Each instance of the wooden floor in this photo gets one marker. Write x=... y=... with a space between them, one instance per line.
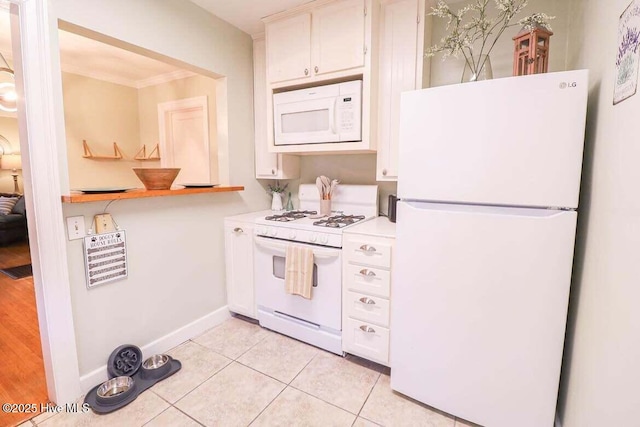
x=21 y=368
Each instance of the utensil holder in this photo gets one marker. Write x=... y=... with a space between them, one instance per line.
x=325 y=207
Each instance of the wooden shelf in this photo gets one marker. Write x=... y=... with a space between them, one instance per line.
x=117 y=154
x=153 y=155
x=138 y=193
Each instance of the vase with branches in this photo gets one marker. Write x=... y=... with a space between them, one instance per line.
x=473 y=31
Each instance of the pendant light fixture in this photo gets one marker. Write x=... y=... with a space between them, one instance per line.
x=8 y=96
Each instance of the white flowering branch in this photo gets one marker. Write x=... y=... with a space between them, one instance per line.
x=471 y=25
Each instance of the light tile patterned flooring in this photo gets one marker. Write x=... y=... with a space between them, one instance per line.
x=239 y=374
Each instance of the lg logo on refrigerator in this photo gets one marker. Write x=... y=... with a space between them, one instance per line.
x=565 y=85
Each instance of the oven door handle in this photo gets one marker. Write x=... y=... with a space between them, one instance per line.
x=282 y=248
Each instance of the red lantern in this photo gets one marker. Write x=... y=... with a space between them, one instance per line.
x=531 y=53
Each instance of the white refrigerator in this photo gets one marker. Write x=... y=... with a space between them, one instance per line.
x=489 y=177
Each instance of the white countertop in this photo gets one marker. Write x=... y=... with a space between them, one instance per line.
x=379 y=226
x=250 y=216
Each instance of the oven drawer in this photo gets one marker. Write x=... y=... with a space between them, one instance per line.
x=369 y=280
x=368 y=250
x=366 y=340
x=367 y=308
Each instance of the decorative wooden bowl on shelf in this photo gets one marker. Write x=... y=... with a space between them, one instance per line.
x=157 y=178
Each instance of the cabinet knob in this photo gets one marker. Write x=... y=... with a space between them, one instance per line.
x=367 y=248
x=384 y=172
x=367 y=272
x=273 y=171
x=367 y=300
x=367 y=329
x=306 y=71
x=315 y=69
x=238 y=230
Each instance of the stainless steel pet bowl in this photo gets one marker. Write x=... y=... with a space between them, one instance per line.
x=115 y=389
x=155 y=361
x=156 y=366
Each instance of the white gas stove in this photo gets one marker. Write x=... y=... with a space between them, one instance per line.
x=318 y=320
x=351 y=204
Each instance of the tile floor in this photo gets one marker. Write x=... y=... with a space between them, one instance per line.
x=239 y=374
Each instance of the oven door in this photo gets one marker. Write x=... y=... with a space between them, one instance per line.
x=324 y=307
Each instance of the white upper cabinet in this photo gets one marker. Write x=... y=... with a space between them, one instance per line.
x=315 y=43
x=337 y=36
x=268 y=165
x=289 y=48
x=401 y=61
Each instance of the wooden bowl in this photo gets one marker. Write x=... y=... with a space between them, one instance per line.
x=157 y=178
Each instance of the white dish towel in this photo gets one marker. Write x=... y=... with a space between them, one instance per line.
x=298 y=271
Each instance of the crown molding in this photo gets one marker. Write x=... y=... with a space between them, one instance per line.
x=164 y=78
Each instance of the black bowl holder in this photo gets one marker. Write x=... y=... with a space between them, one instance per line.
x=126 y=360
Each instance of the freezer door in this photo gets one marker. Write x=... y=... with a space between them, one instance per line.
x=514 y=141
x=478 y=310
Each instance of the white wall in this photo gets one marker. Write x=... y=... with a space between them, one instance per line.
x=601 y=372
x=175 y=243
x=449 y=71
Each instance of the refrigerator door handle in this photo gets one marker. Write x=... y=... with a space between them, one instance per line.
x=523 y=212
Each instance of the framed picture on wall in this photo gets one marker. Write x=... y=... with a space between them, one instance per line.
x=626 y=75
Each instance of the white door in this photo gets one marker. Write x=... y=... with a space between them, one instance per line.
x=515 y=141
x=478 y=310
x=338 y=36
x=184 y=139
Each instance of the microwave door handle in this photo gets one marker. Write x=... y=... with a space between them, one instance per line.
x=317 y=253
x=334 y=116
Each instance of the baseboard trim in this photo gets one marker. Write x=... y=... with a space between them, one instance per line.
x=162 y=344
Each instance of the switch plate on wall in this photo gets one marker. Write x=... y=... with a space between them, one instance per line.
x=75 y=227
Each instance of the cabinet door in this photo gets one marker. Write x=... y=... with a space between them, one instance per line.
x=289 y=48
x=239 y=255
x=338 y=36
x=266 y=163
x=398 y=67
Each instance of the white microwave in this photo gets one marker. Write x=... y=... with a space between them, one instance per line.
x=320 y=114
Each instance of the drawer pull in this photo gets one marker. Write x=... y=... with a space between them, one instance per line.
x=367 y=329
x=367 y=248
x=238 y=230
x=367 y=300
x=367 y=273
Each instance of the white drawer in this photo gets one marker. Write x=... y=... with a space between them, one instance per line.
x=366 y=340
x=369 y=280
x=368 y=251
x=367 y=308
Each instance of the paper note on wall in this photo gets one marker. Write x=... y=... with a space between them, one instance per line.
x=105 y=258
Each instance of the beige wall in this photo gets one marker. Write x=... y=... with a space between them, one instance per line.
x=150 y=97
x=449 y=71
x=9 y=129
x=175 y=244
x=100 y=113
x=601 y=370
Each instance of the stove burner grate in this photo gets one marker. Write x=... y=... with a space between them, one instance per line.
x=338 y=221
x=290 y=216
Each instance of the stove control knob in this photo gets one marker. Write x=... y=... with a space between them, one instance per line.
x=324 y=238
x=313 y=237
x=292 y=234
x=273 y=232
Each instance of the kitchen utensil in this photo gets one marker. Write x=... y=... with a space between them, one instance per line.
x=320 y=187
x=333 y=186
x=326 y=183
